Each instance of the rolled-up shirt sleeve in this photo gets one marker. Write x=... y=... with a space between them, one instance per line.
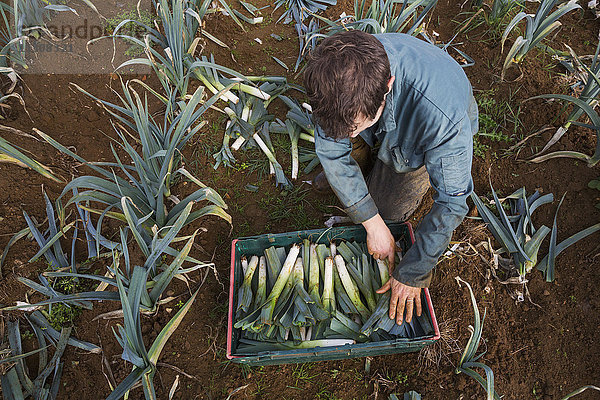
x=449 y=168
x=344 y=176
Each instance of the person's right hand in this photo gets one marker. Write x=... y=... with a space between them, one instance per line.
x=380 y=241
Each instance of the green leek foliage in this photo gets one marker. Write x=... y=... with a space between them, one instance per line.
x=298 y=10
x=12 y=40
x=148 y=182
x=15 y=155
x=12 y=47
x=17 y=382
x=51 y=249
x=129 y=336
x=381 y=16
x=170 y=50
x=515 y=232
x=517 y=235
x=468 y=360
x=158 y=271
x=539 y=25
x=586 y=103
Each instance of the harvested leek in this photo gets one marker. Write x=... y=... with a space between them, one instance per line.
x=317 y=295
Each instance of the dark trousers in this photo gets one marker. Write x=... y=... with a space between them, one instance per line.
x=397 y=195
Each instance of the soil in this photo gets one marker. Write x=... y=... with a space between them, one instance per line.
x=538 y=349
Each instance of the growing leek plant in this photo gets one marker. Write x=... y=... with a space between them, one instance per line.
x=12 y=47
x=167 y=51
x=381 y=16
x=158 y=272
x=11 y=38
x=468 y=360
x=307 y=41
x=538 y=26
x=302 y=12
x=586 y=104
x=171 y=50
x=50 y=246
x=500 y=8
x=494 y=16
x=148 y=182
x=17 y=383
x=13 y=154
x=31 y=15
x=518 y=236
x=298 y=10
x=129 y=336
x=516 y=233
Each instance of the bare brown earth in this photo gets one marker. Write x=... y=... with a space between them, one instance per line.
x=536 y=352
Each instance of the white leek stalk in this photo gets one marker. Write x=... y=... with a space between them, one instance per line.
x=244 y=262
x=261 y=293
x=313 y=276
x=350 y=287
x=266 y=314
x=328 y=294
x=383 y=271
x=245 y=292
x=246 y=112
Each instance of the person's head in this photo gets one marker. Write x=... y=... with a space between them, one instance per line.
x=347 y=78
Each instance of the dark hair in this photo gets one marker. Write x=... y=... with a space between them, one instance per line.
x=346 y=76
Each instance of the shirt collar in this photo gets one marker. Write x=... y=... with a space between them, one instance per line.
x=387 y=122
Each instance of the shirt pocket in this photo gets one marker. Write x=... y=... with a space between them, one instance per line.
x=455 y=170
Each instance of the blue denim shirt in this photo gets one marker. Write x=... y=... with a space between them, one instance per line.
x=429 y=118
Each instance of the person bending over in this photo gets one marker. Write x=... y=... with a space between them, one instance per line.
x=410 y=104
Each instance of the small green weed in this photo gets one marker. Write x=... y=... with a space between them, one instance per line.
x=63 y=315
x=302 y=373
x=325 y=394
x=537 y=391
x=402 y=378
x=494 y=117
x=243 y=229
x=130 y=28
x=60 y=314
x=27 y=334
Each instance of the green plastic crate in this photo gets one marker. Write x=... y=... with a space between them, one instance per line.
x=255 y=245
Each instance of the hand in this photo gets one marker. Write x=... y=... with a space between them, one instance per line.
x=380 y=242
x=403 y=296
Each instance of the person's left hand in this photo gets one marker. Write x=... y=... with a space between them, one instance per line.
x=403 y=297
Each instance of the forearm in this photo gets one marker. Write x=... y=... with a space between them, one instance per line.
x=431 y=240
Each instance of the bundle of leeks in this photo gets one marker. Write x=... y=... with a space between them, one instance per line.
x=248 y=126
x=316 y=295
